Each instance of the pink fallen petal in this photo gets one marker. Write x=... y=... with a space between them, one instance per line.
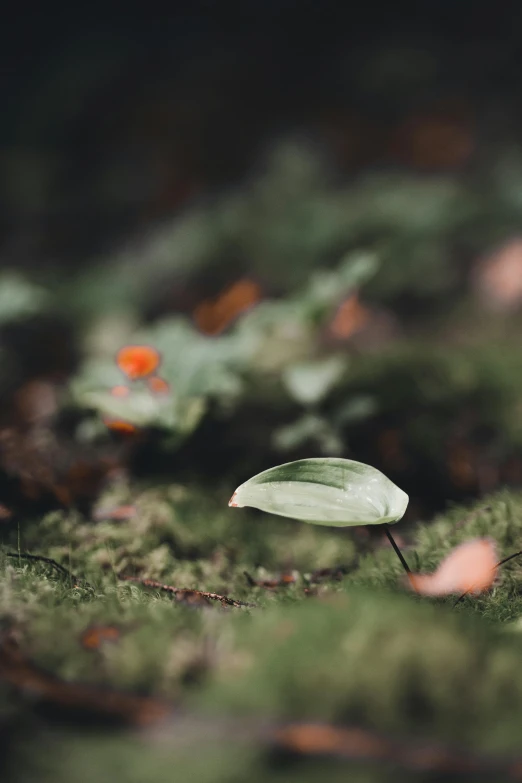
x=471 y=567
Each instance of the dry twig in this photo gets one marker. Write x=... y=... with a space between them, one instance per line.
x=185 y=595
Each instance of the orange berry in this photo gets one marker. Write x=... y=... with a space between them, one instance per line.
x=138 y=361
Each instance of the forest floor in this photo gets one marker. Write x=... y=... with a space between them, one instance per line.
x=308 y=656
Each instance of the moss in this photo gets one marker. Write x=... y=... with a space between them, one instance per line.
x=360 y=651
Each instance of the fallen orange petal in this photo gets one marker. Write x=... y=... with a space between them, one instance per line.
x=158 y=385
x=469 y=568
x=138 y=361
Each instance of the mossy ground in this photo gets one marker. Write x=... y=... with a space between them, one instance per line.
x=360 y=651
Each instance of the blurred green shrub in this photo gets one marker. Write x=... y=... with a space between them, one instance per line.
x=278 y=338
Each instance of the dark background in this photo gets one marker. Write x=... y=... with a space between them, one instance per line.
x=167 y=106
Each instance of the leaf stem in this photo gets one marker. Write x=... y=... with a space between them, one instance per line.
x=396 y=549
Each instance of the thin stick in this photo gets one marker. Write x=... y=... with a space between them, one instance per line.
x=396 y=549
x=185 y=592
x=505 y=560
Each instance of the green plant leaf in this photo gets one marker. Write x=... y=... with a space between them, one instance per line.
x=309 y=382
x=328 y=491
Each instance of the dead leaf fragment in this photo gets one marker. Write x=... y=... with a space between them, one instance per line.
x=212 y=316
x=95 y=636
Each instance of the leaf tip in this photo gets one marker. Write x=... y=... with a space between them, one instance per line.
x=233 y=501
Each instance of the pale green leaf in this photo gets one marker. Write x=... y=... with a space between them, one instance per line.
x=327 y=491
x=309 y=382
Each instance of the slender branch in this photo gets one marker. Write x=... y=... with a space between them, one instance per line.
x=396 y=549
x=186 y=594
x=506 y=559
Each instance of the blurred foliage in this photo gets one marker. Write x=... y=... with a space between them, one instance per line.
x=353 y=357
x=200 y=368
x=323 y=302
